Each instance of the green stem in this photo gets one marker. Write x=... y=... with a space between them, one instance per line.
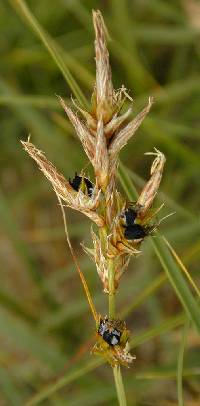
x=111 y=284
x=119 y=386
x=111 y=301
x=104 y=231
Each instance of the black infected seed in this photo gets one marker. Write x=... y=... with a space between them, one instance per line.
x=77 y=182
x=110 y=334
x=134 y=232
x=130 y=216
x=89 y=186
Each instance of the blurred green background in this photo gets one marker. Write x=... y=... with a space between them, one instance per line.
x=46 y=329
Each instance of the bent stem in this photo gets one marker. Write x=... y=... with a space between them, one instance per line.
x=119 y=386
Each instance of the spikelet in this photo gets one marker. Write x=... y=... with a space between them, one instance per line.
x=150 y=189
x=76 y=200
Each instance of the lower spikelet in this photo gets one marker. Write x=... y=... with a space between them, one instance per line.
x=76 y=200
x=57 y=180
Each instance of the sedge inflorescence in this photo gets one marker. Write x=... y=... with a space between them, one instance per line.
x=121 y=226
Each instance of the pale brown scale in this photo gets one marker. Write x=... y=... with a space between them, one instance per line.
x=150 y=189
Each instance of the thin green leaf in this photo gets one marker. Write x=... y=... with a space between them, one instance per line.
x=27 y=339
x=11 y=229
x=180 y=363
x=146 y=292
x=8 y=389
x=177 y=280
x=167 y=373
x=65 y=380
x=32 y=100
x=51 y=45
x=162 y=328
x=157 y=34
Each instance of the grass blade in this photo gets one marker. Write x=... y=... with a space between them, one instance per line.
x=182 y=266
x=180 y=364
x=178 y=282
x=146 y=292
x=65 y=380
x=8 y=389
x=32 y=100
x=166 y=325
x=28 y=340
x=51 y=45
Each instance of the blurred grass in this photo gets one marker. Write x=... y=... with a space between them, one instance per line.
x=44 y=317
x=180 y=363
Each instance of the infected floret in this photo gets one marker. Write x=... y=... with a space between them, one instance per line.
x=108 y=331
x=135 y=232
x=132 y=230
x=82 y=183
x=129 y=216
x=112 y=343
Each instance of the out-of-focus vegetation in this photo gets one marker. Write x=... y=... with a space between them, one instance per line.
x=46 y=329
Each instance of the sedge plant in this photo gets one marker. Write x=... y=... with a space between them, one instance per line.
x=119 y=226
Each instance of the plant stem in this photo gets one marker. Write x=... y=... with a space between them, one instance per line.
x=111 y=283
x=111 y=310
x=119 y=386
x=111 y=302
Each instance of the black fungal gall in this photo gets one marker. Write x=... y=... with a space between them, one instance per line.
x=80 y=182
x=132 y=230
x=135 y=232
x=129 y=217
x=110 y=334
